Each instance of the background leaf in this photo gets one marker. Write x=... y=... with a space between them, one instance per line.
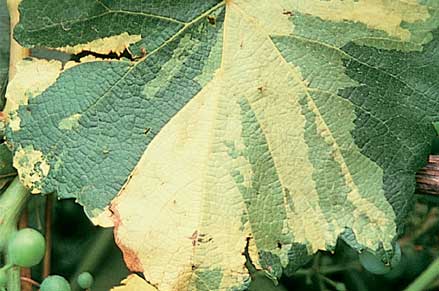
x=4 y=50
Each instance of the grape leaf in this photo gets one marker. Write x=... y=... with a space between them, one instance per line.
x=133 y=283
x=4 y=50
x=104 y=25
x=268 y=126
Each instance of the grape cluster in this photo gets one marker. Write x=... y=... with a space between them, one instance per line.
x=85 y=280
x=58 y=283
x=26 y=249
x=55 y=283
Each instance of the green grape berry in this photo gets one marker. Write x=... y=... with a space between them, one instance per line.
x=3 y=278
x=26 y=248
x=373 y=264
x=85 y=280
x=55 y=283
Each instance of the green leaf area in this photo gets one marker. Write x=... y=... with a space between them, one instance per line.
x=4 y=50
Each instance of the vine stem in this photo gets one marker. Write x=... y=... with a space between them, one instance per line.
x=30 y=281
x=12 y=201
x=426 y=278
x=48 y=235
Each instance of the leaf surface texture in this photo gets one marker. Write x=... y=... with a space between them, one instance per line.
x=272 y=126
